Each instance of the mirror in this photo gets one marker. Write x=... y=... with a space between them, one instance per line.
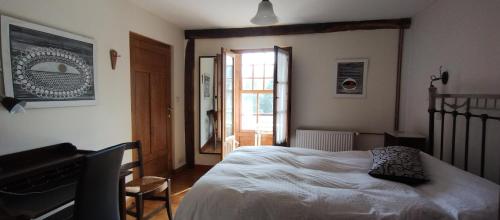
x=210 y=129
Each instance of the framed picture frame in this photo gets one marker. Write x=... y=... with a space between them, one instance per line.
x=350 y=78
x=46 y=67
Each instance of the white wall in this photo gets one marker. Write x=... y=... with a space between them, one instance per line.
x=314 y=55
x=463 y=36
x=109 y=122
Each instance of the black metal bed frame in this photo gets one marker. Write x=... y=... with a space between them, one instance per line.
x=458 y=102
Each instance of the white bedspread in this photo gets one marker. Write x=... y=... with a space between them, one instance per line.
x=293 y=183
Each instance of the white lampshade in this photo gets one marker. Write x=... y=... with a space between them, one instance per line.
x=265 y=14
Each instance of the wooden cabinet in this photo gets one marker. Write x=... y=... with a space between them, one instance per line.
x=405 y=139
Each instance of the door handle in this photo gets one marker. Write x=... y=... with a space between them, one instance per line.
x=170 y=110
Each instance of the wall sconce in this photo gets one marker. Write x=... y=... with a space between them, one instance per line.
x=13 y=105
x=113 y=55
x=443 y=76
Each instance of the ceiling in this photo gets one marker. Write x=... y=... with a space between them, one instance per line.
x=201 y=14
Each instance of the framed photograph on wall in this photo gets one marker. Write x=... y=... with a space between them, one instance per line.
x=47 y=67
x=351 y=78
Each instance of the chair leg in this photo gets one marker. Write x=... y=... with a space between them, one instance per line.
x=122 y=199
x=139 y=207
x=168 y=201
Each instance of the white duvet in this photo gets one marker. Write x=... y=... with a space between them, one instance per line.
x=294 y=183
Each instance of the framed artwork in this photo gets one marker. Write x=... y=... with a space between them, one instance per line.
x=350 y=78
x=206 y=85
x=47 y=67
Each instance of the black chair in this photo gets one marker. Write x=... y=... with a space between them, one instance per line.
x=145 y=187
x=97 y=190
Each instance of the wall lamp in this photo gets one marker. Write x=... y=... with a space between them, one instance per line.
x=443 y=76
x=13 y=105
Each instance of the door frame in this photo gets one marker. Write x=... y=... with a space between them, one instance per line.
x=170 y=157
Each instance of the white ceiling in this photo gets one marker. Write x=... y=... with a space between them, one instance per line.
x=199 y=14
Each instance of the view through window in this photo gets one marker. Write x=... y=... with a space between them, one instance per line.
x=257 y=91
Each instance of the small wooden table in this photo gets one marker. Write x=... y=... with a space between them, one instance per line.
x=397 y=138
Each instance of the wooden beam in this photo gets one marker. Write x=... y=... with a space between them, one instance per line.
x=402 y=23
x=398 y=78
x=258 y=50
x=189 y=102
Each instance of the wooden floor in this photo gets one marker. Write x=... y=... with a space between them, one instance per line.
x=210 y=148
x=181 y=183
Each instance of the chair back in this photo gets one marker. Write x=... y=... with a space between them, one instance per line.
x=97 y=190
x=136 y=163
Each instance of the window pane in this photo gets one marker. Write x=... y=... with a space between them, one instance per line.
x=229 y=93
x=248 y=122
x=250 y=58
x=258 y=84
x=246 y=84
x=229 y=70
x=248 y=104
x=265 y=103
x=248 y=111
x=229 y=106
x=269 y=71
x=247 y=71
x=265 y=123
x=268 y=57
x=229 y=87
x=258 y=71
x=268 y=84
x=229 y=61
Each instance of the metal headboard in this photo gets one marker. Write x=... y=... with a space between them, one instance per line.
x=461 y=105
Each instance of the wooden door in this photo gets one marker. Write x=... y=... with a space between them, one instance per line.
x=151 y=102
x=282 y=93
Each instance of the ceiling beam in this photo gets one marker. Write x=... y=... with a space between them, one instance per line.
x=294 y=29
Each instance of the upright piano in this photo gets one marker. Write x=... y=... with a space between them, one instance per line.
x=40 y=183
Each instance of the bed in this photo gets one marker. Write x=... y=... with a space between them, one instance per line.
x=294 y=183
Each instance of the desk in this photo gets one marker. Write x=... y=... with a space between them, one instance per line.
x=38 y=182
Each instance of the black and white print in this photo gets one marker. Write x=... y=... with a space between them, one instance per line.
x=350 y=79
x=206 y=85
x=47 y=67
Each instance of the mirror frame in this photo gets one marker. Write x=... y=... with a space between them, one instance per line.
x=199 y=100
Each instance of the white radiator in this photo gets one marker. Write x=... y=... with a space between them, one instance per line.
x=325 y=140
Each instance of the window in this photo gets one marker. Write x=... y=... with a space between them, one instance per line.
x=229 y=96
x=256 y=91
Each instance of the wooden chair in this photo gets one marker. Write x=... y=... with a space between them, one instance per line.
x=145 y=187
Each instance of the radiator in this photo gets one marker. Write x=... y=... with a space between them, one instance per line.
x=325 y=140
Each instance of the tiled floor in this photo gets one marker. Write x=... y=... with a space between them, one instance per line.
x=181 y=182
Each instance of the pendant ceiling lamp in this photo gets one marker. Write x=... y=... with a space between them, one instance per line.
x=265 y=14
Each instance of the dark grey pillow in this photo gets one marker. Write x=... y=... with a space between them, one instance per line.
x=398 y=163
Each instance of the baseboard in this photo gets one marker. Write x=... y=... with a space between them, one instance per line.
x=197 y=166
x=203 y=166
x=181 y=168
